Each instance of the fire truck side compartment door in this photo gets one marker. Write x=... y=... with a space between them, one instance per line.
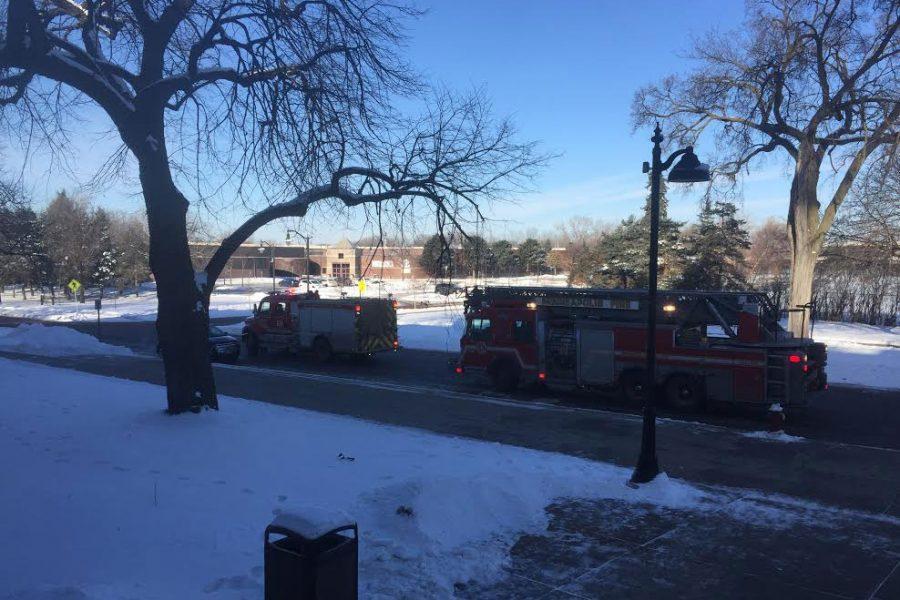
x=596 y=356
x=343 y=330
x=320 y=319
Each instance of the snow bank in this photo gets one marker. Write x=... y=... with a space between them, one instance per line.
x=433 y=329
x=860 y=354
x=869 y=366
x=34 y=338
x=856 y=333
x=104 y=496
x=775 y=436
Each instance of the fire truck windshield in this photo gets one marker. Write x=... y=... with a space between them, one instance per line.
x=480 y=329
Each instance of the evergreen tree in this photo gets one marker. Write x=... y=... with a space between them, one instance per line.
x=436 y=259
x=532 y=256
x=625 y=252
x=476 y=256
x=715 y=250
x=104 y=255
x=506 y=260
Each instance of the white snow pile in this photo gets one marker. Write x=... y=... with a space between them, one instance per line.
x=773 y=436
x=34 y=338
x=431 y=329
x=856 y=333
x=104 y=496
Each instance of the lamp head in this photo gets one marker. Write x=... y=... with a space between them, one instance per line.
x=689 y=169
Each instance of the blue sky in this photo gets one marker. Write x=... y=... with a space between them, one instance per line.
x=566 y=72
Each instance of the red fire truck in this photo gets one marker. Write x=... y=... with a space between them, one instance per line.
x=300 y=321
x=711 y=346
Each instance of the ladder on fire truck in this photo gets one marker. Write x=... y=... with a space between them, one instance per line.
x=776 y=385
x=692 y=306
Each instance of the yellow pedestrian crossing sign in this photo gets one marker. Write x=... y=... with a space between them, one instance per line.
x=361 y=284
x=74 y=285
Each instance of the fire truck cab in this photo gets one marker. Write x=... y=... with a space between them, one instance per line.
x=299 y=321
x=711 y=346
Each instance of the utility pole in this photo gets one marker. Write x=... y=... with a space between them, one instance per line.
x=287 y=238
x=262 y=250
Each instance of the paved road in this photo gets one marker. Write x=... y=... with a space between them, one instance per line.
x=843 y=414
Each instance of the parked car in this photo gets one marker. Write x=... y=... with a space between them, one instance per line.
x=289 y=282
x=223 y=347
x=445 y=289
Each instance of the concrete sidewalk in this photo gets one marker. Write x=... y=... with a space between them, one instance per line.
x=752 y=547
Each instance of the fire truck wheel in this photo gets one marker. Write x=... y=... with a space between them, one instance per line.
x=252 y=345
x=632 y=385
x=505 y=376
x=322 y=349
x=684 y=393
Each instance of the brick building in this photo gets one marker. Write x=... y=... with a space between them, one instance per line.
x=343 y=259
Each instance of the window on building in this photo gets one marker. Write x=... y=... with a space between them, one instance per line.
x=340 y=270
x=523 y=331
x=340 y=255
x=480 y=329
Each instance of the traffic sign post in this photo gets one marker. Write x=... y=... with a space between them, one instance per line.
x=74 y=285
x=97 y=304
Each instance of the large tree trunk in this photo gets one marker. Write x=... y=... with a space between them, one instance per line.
x=803 y=225
x=182 y=322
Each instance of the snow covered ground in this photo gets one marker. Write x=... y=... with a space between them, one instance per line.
x=431 y=329
x=106 y=497
x=861 y=354
x=34 y=338
x=235 y=298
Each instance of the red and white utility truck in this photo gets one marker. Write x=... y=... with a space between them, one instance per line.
x=711 y=346
x=302 y=321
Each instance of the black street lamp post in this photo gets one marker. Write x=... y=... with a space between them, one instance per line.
x=688 y=170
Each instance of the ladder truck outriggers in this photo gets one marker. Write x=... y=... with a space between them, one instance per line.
x=711 y=346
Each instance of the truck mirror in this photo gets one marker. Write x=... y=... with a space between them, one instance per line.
x=255 y=309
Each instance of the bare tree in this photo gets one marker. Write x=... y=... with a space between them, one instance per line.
x=18 y=223
x=132 y=242
x=816 y=80
x=20 y=239
x=285 y=103
x=769 y=260
x=455 y=156
x=859 y=277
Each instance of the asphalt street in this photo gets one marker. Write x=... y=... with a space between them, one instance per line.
x=843 y=414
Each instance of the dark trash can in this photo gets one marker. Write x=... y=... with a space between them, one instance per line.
x=304 y=561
